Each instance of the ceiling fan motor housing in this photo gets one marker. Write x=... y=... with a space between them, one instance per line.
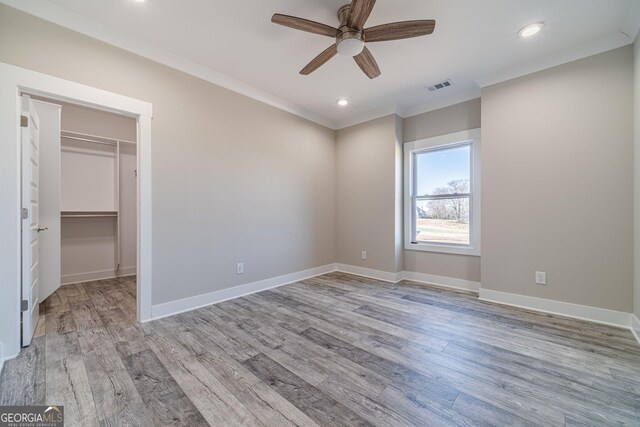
x=350 y=41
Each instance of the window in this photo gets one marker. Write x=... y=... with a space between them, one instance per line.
x=442 y=194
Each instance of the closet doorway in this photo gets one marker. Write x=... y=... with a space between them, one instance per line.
x=14 y=82
x=80 y=191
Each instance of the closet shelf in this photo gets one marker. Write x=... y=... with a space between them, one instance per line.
x=88 y=214
x=96 y=139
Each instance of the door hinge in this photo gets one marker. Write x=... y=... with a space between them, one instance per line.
x=24 y=305
x=25 y=213
x=24 y=121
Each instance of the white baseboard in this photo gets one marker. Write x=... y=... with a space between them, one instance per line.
x=582 y=312
x=385 y=276
x=71 y=279
x=635 y=327
x=430 y=279
x=447 y=282
x=192 y=303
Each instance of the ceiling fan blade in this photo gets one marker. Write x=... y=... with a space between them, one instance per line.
x=304 y=25
x=320 y=60
x=360 y=11
x=367 y=63
x=399 y=30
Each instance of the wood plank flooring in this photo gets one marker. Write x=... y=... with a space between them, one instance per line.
x=336 y=350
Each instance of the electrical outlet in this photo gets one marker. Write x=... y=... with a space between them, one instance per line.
x=541 y=278
x=363 y=255
x=240 y=268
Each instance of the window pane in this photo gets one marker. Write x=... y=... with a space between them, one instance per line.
x=443 y=221
x=444 y=171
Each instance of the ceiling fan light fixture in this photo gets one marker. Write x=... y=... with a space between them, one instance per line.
x=531 y=30
x=351 y=34
x=350 y=46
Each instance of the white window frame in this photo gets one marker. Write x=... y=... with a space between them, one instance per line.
x=468 y=137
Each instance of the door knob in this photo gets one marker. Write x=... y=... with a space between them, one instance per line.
x=42 y=229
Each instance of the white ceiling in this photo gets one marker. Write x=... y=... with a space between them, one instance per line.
x=473 y=39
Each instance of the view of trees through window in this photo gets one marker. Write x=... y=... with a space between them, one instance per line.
x=442 y=205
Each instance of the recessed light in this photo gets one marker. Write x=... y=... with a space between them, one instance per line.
x=139 y=1
x=342 y=102
x=531 y=30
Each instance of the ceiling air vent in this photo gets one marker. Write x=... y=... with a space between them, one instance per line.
x=442 y=85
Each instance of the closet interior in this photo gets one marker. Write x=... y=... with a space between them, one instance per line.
x=97 y=194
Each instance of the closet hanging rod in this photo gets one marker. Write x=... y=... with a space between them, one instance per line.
x=88 y=216
x=111 y=144
x=88 y=135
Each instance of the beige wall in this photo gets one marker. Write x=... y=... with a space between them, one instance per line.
x=367 y=194
x=456 y=118
x=452 y=119
x=557 y=183
x=239 y=181
x=234 y=180
x=636 y=204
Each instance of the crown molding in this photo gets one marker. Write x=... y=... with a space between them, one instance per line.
x=601 y=45
x=78 y=23
x=410 y=111
x=439 y=104
x=631 y=25
x=75 y=22
x=367 y=117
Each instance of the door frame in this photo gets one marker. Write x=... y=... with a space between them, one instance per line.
x=13 y=82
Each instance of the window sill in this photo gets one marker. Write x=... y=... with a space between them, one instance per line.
x=444 y=249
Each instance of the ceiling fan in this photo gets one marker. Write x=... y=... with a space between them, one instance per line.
x=351 y=35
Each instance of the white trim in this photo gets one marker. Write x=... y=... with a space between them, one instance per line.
x=90 y=276
x=144 y=260
x=65 y=90
x=13 y=80
x=576 y=311
x=429 y=279
x=410 y=111
x=442 y=141
x=446 y=282
x=68 y=19
x=635 y=327
x=370 y=273
x=438 y=104
x=192 y=303
x=631 y=24
x=595 y=47
x=368 y=116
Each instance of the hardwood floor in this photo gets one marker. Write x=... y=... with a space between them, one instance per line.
x=334 y=350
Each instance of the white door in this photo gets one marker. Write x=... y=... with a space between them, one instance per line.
x=49 y=201
x=30 y=224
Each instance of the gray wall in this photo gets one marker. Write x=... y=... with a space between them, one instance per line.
x=367 y=194
x=234 y=180
x=452 y=119
x=557 y=176
x=636 y=203
x=557 y=182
